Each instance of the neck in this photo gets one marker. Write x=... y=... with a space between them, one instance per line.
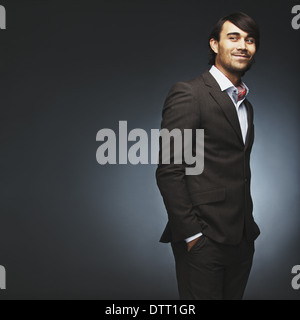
x=235 y=77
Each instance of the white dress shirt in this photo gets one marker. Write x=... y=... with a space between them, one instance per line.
x=226 y=85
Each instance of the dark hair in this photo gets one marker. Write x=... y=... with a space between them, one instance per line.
x=242 y=21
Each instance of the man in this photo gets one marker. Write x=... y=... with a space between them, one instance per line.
x=210 y=222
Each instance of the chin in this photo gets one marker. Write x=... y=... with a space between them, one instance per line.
x=243 y=69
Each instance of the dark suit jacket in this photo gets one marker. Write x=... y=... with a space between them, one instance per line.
x=217 y=202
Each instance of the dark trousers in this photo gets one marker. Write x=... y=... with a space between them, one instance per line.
x=212 y=270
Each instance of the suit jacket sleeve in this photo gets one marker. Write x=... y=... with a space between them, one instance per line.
x=181 y=111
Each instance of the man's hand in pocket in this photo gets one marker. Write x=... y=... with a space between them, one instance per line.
x=192 y=243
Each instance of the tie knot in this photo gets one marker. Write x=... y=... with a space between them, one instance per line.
x=241 y=91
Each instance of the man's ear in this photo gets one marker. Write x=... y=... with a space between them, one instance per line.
x=214 y=45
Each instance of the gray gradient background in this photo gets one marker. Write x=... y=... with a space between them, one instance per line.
x=72 y=229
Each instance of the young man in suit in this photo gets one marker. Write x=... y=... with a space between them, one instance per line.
x=210 y=222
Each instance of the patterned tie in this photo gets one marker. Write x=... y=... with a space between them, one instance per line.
x=241 y=91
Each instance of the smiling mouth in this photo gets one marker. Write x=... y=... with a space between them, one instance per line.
x=241 y=56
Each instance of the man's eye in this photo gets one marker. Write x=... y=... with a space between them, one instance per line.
x=250 y=40
x=233 y=38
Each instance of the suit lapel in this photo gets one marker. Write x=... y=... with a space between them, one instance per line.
x=225 y=103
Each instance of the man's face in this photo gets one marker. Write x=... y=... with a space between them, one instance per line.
x=234 y=51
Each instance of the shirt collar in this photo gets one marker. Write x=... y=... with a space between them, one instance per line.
x=223 y=81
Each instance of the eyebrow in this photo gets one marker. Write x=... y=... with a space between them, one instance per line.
x=238 y=34
x=233 y=33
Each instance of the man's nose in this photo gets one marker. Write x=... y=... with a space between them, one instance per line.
x=242 y=44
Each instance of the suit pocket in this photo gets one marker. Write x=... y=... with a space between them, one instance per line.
x=199 y=244
x=209 y=196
